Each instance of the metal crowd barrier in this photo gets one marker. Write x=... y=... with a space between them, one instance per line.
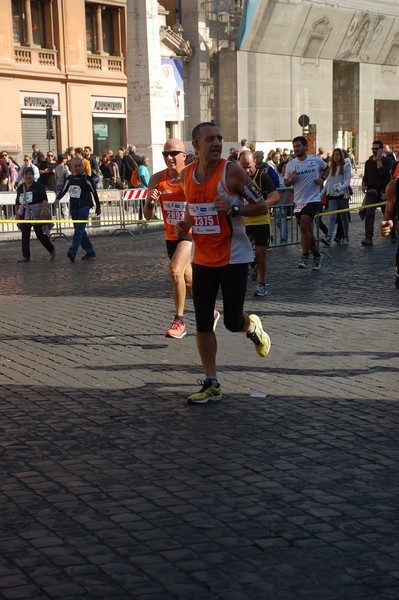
x=121 y=212
x=284 y=228
x=122 y=209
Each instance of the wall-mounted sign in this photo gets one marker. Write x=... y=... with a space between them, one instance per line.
x=38 y=101
x=103 y=104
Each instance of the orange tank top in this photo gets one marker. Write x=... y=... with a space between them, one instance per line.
x=173 y=204
x=218 y=240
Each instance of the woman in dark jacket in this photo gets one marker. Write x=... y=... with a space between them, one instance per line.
x=32 y=198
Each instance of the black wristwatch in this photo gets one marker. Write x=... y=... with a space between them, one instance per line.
x=234 y=210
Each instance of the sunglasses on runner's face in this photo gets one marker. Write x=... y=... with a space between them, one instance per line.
x=173 y=153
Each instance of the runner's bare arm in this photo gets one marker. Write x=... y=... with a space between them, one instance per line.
x=239 y=183
x=273 y=198
x=153 y=195
x=390 y=209
x=290 y=180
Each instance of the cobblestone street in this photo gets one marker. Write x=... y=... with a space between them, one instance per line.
x=112 y=486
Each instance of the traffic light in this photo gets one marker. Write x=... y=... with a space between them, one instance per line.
x=49 y=123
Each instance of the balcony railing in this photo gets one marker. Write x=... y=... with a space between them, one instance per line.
x=115 y=64
x=43 y=57
x=35 y=56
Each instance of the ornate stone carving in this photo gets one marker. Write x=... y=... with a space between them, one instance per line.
x=317 y=38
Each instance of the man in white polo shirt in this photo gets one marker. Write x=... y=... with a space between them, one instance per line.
x=306 y=174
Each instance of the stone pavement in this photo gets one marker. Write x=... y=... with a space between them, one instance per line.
x=112 y=486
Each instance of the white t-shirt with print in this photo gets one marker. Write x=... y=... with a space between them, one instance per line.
x=305 y=189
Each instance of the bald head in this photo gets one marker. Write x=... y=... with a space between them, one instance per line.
x=247 y=162
x=174 y=145
x=247 y=155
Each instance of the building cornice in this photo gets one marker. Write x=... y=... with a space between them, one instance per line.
x=178 y=45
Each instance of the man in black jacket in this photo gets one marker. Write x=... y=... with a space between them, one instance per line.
x=130 y=162
x=377 y=173
x=82 y=190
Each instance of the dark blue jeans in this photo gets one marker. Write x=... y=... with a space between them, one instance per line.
x=370 y=198
x=80 y=237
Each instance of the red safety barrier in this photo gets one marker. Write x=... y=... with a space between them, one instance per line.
x=136 y=194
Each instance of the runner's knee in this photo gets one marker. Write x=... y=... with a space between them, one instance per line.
x=234 y=323
x=175 y=271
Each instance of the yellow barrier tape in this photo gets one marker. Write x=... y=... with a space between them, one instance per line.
x=357 y=208
x=93 y=220
x=331 y=212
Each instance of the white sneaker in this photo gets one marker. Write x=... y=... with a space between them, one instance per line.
x=345 y=242
x=261 y=290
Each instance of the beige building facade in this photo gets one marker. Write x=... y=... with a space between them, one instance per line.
x=69 y=56
x=106 y=86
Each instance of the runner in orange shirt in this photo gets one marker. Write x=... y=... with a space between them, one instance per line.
x=390 y=218
x=219 y=193
x=166 y=188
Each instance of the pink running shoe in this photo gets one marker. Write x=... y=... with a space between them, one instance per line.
x=177 y=330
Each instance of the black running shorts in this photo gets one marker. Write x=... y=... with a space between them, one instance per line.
x=259 y=233
x=310 y=209
x=232 y=279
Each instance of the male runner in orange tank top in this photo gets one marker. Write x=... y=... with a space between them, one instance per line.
x=218 y=194
x=166 y=188
x=389 y=222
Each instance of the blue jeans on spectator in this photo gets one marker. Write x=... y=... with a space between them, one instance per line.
x=338 y=204
x=80 y=237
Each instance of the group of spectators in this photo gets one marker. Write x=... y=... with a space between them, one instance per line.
x=51 y=170
x=115 y=169
x=124 y=169
x=277 y=159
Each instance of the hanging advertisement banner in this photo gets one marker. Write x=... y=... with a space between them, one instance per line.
x=173 y=89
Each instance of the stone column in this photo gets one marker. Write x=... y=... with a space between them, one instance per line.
x=118 y=33
x=99 y=44
x=49 y=24
x=145 y=119
x=28 y=24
